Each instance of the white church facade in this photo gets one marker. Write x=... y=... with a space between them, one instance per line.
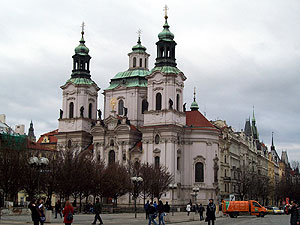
x=144 y=119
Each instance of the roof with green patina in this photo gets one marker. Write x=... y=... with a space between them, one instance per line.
x=131 y=73
x=82 y=81
x=166 y=69
x=128 y=82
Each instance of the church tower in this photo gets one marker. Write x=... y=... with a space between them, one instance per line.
x=79 y=106
x=31 y=135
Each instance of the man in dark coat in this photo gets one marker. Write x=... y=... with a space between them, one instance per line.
x=146 y=208
x=295 y=214
x=98 y=209
x=35 y=216
x=201 y=210
x=152 y=214
x=210 y=212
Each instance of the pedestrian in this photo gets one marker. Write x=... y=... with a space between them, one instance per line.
x=41 y=210
x=155 y=204
x=68 y=213
x=35 y=214
x=146 y=207
x=152 y=214
x=58 y=209
x=295 y=214
x=210 y=212
x=161 y=212
x=201 y=210
x=97 y=210
x=188 y=208
x=167 y=207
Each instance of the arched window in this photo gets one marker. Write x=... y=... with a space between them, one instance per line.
x=144 y=106
x=178 y=163
x=120 y=107
x=158 y=101
x=156 y=162
x=168 y=52
x=156 y=139
x=111 y=157
x=177 y=102
x=69 y=143
x=90 y=110
x=71 y=110
x=134 y=62
x=141 y=62
x=145 y=63
x=199 y=173
x=162 y=52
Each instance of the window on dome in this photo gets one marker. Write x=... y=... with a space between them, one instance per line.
x=141 y=62
x=71 y=110
x=199 y=173
x=168 y=52
x=134 y=62
x=145 y=63
x=156 y=162
x=90 y=110
x=177 y=102
x=158 y=101
x=162 y=52
x=156 y=139
x=121 y=107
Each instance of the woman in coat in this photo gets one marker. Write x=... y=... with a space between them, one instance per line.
x=68 y=212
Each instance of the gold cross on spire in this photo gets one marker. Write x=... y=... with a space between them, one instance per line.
x=194 y=94
x=166 y=10
x=139 y=32
x=82 y=27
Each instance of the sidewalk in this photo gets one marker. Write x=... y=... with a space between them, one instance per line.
x=116 y=219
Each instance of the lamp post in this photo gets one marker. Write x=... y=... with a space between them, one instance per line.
x=173 y=187
x=195 y=193
x=137 y=181
x=39 y=163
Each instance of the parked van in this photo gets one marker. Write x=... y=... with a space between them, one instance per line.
x=236 y=208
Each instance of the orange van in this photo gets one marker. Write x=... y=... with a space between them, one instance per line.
x=236 y=208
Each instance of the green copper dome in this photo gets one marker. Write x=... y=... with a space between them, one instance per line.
x=139 y=47
x=81 y=49
x=194 y=106
x=166 y=34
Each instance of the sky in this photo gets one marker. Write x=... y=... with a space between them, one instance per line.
x=237 y=53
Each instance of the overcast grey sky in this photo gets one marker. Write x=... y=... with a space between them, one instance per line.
x=238 y=53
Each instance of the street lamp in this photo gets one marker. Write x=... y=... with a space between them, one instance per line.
x=137 y=181
x=39 y=163
x=172 y=187
x=195 y=191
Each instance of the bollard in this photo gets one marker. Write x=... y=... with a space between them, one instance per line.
x=48 y=214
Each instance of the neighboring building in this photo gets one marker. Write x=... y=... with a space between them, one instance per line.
x=31 y=135
x=49 y=140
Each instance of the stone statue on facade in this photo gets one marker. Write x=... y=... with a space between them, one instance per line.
x=170 y=104
x=99 y=114
x=184 y=107
x=61 y=113
x=125 y=111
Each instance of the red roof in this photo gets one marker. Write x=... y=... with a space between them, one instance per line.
x=38 y=146
x=195 y=119
x=51 y=136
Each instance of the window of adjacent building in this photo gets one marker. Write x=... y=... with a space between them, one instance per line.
x=225 y=173
x=141 y=62
x=199 y=172
x=157 y=139
x=134 y=62
x=90 y=110
x=225 y=159
x=177 y=102
x=120 y=107
x=144 y=106
x=178 y=163
x=158 y=101
x=71 y=110
x=156 y=161
x=111 y=157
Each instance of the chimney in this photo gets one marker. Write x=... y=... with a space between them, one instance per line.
x=2 y=118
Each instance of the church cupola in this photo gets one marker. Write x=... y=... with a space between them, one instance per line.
x=138 y=58
x=81 y=59
x=166 y=46
x=194 y=105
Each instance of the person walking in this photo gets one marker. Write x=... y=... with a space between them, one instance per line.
x=161 y=212
x=58 y=209
x=167 y=207
x=152 y=214
x=146 y=207
x=41 y=210
x=35 y=215
x=210 y=212
x=201 y=210
x=97 y=210
x=188 y=208
x=68 y=213
x=295 y=214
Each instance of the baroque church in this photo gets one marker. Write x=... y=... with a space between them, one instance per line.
x=144 y=120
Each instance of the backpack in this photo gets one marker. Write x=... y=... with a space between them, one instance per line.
x=69 y=216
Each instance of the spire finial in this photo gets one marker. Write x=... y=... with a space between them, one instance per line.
x=166 y=11
x=139 y=32
x=272 y=138
x=82 y=27
x=253 y=114
x=194 y=94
